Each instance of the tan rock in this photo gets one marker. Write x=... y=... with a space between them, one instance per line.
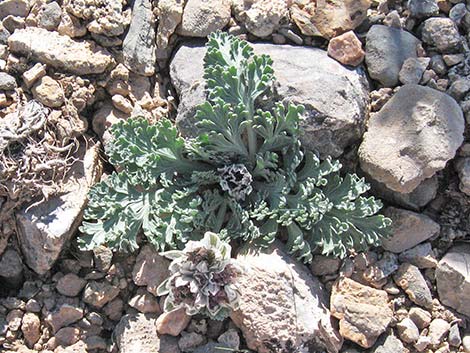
x=264 y=16
x=105 y=117
x=71 y=26
x=303 y=16
x=145 y=303
x=150 y=269
x=170 y=15
x=60 y=52
x=66 y=315
x=173 y=322
x=201 y=18
x=34 y=74
x=364 y=312
x=122 y=103
x=18 y=8
x=98 y=294
x=334 y=17
x=79 y=347
x=31 y=328
x=347 y=49
x=49 y=92
x=420 y=317
x=280 y=299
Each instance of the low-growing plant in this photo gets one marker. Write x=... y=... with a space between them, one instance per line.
x=202 y=278
x=245 y=176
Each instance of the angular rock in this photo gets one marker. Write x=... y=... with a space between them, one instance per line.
x=410 y=279
x=420 y=317
x=71 y=26
x=60 y=52
x=443 y=34
x=423 y=8
x=281 y=300
x=67 y=336
x=347 y=49
x=48 y=92
x=43 y=230
x=438 y=329
x=66 y=315
x=70 y=285
x=173 y=323
x=454 y=336
x=408 y=330
x=408 y=229
x=386 y=50
x=103 y=257
x=263 y=17
x=7 y=82
x=139 y=44
x=323 y=265
x=31 y=328
x=363 y=311
x=105 y=117
x=50 y=16
x=18 y=8
x=145 y=303
x=391 y=344
x=150 y=269
x=453 y=278
x=413 y=69
x=171 y=14
x=98 y=294
x=34 y=74
x=420 y=256
x=335 y=17
x=411 y=137
x=136 y=334
x=463 y=169
x=334 y=116
x=11 y=269
x=201 y=18
x=415 y=200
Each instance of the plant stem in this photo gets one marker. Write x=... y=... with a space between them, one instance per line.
x=252 y=147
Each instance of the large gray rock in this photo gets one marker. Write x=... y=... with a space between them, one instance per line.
x=453 y=279
x=202 y=17
x=60 y=52
x=281 y=304
x=335 y=97
x=43 y=230
x=135 y=333
x=408 y=229
x=411 y=137
x=139 y=45
x=387 y=49
x=443 y=34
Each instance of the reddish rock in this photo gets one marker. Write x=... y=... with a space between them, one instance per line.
x=31 y=328
x=173 y=322
x=347 y=49
x=70 y=285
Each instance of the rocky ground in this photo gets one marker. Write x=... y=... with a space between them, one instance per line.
x=386 y=86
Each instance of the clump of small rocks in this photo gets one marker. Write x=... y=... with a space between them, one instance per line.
x=386 y=87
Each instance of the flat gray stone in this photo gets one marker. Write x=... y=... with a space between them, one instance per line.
x=139 y=45
x=453 y=279
x=387 y=49
x=43 y=230
x=408 y=229
x=335 y=97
